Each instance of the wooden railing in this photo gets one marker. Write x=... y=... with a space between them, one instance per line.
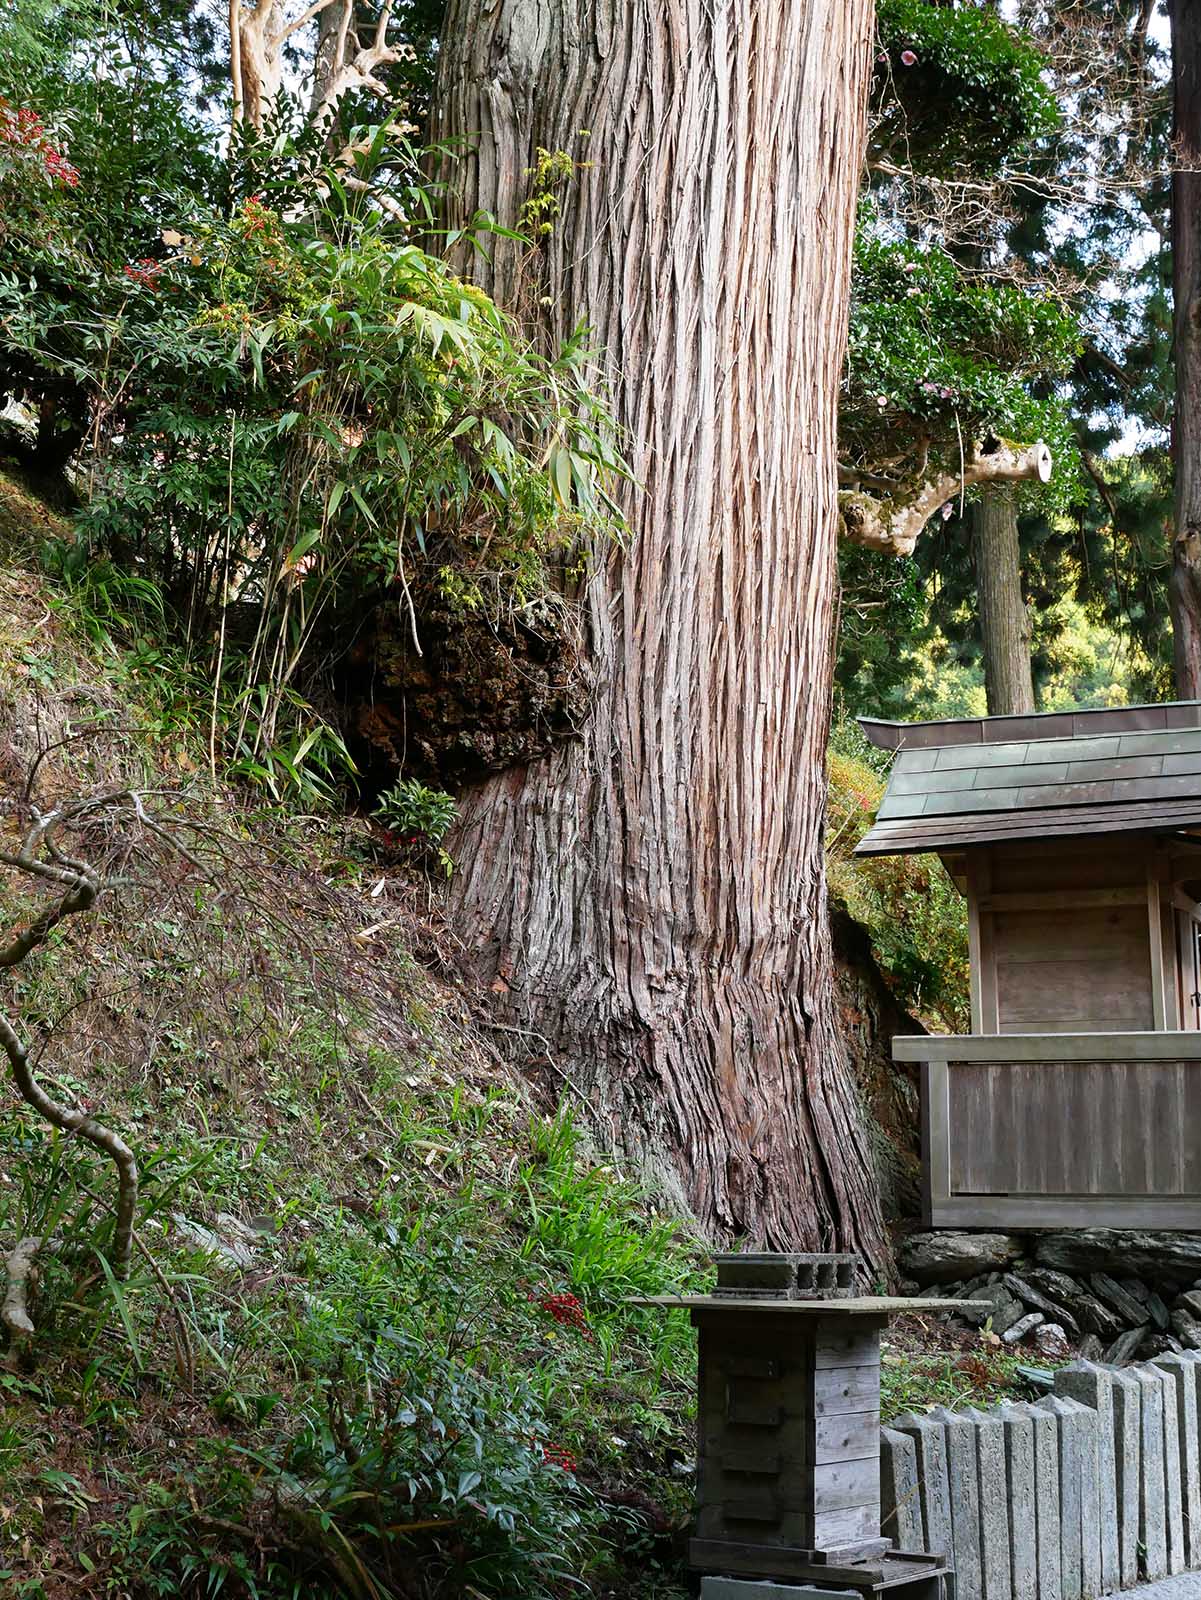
x=1053 y=1130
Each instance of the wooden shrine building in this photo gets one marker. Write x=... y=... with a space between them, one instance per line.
x=1076 y=838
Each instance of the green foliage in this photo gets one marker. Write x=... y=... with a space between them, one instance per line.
x=543 y=205
x=883 y=626
x=287 y=406
x=914 y=914
x=979 y=1377
x=939 y=358
x=972 y=94
x=413 y=808
x=418 y=818
x=411 y=1407
x=1073 y=200
x=910 y=645
x=367 y=1275
x=1102 y=221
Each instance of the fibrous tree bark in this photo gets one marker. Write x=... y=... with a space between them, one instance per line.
x=1185 y=583
x=1004 y=620
x=648 y=901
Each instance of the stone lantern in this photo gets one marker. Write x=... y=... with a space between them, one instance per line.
x=788 y=1435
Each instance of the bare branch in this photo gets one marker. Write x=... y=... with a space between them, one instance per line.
x=80 y=887
x=314 y=10
x=894 y=523
x=85 y=1126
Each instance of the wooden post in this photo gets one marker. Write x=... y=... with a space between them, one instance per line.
x=982 y=946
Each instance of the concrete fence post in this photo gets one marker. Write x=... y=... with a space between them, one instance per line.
x=1127 y=1444
x=929 y=1438
x=1153 y=1517
x=995 y=1496
x=1070 y=1521
x=963 y=1474
x=1076 y=1497
x=1019 y=1461
x=1088 y=1428
x=1092 y=1387
x=900 y=1491
x=1173 y=1479
x=1184 y=1371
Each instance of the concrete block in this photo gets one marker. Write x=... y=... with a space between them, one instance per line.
x=1189 y=1444
x=1173 y=1479
x=1064 y=1413
x=1092 y=1387
x=1153 y=1522
x=963 y=1474
x=1128 y=1455
x=1088 y=1430
x=929 y=1438
x=996 y=1570
x=1049 y=1553
x=1023 y=1533
x=900 y=1491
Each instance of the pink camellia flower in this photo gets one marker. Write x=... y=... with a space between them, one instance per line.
x=908 y=59
x=948 y=511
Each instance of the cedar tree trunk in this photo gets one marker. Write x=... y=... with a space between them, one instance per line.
x=1004 y=619
x=649 y=900
x=1185 y=586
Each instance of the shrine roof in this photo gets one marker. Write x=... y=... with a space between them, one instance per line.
x=983 y=780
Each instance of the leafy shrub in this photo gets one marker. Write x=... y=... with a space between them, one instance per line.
x=416 y=819
x=398 y=1401
x=916 y=917
x=938 y=358
x=956 y=87
x=284 y=405
x=416 y=1451
x=414 y=809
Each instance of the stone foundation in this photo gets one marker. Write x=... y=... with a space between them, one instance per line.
x=1113 y=1295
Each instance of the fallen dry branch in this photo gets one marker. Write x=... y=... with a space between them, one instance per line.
x=14 y=1312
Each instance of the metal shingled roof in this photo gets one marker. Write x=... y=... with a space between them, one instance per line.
x=955 y=794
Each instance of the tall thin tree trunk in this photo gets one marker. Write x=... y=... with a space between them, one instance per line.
x=1004 y=620
x=1185 y=584
x=325 y=56
x=649 y=900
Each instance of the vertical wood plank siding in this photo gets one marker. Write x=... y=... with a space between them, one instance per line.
x=1061 y=1130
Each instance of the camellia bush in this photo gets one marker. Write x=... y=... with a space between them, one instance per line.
x=939 y=357
x=956 y=89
